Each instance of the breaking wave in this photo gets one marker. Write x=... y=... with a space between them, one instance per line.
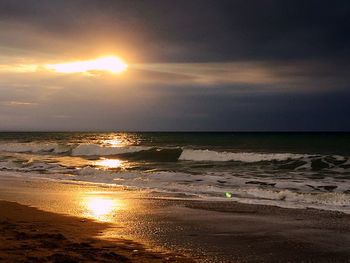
x=100 y=150
x=174 y=154
x=35 y=148
x=207 y=155
x=143 y=152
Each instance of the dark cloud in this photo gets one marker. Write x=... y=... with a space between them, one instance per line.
x=264 y=65
x=199 y=30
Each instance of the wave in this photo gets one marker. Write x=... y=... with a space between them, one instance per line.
x=207 y=155
x=333 y=201
x=179 y=154
x=155 y=154
x=100 y=150
x=173 y=154
x=34 y=148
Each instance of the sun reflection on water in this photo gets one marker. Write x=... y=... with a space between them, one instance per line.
x=110 y=163
x=119 y=140
x=100 y=208
x=114 y=142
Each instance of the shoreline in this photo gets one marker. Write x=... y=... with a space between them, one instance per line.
x=168 y=195
x=202 y=230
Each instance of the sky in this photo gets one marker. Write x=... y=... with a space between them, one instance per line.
x=193 y=65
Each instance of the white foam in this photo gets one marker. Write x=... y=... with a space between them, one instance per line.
x=79 y=150
x=33 y=147
x=207 y=155
x=285 y=198
x=99 y=150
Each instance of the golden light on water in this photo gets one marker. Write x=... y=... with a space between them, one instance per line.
x=110 y=64
x=114 y=142
x=120 y=140
x=101 y=208
x=109 y=163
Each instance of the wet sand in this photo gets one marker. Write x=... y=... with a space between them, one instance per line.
x=202 y=230
x=31 y=235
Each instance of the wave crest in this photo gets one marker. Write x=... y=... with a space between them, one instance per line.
x=207 y=155
x=34 y=148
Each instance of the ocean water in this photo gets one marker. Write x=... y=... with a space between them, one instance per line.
x=299 y=170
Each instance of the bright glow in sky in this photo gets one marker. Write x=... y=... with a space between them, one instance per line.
x=111 y=64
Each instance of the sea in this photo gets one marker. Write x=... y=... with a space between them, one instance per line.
x=292 y=170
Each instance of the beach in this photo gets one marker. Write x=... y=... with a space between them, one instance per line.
x=174 y=131
x=32 y=235
x=46 y=220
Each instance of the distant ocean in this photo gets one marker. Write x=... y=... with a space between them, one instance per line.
x=296 y=170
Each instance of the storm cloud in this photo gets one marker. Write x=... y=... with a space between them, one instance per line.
x=194 y=65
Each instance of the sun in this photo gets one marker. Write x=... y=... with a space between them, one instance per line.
x=110 y=64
